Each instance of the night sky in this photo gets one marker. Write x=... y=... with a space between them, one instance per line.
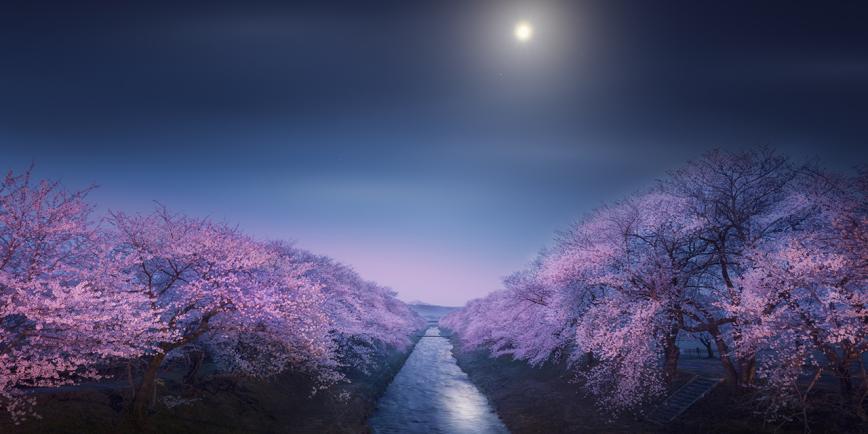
x=418 y=140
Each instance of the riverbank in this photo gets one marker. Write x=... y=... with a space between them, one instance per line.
x=544 y=400
x=538 y=400
x=225 y=405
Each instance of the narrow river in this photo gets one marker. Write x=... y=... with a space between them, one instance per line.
x=431 y=394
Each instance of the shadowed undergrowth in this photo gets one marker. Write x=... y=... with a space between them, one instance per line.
x=544 y=400
x=224 y=405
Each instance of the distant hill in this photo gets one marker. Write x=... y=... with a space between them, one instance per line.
x=431 y=312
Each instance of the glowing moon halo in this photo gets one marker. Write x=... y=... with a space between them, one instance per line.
x=523 y=31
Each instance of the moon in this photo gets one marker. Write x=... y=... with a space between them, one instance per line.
x=523 y=31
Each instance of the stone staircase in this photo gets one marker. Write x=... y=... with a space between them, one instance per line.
x=682 y=399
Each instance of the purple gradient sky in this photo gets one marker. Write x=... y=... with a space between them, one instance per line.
x=417 y=141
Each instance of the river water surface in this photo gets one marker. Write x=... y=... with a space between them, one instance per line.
x=431 y=394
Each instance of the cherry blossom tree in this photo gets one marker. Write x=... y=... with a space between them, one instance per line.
x=611 y=290
x=524 y=321
x=765 y=258
x=742 y=199
x=639 y=256
x=59 y=315
x=803 y=301
x=363 y=314
x=208 y=282
x=77 y=299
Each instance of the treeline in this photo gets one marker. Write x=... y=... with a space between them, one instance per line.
x=766 y=258
x=81 y=299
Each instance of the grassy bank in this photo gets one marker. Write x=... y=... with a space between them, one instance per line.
x=219 y=404
x=544 y=400
x=538 y=400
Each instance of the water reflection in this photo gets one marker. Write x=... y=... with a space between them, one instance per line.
x=431 y=394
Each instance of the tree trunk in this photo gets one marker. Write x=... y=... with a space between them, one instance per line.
x=728 y=367
x=144 y=394
x=130 y=380
x=862 y=391
x=748 y=371
x=671 y=365
x=195 y=364
x=707 y=344
x=845 y=382
x=671 y=353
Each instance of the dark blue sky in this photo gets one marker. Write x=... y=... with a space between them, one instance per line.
x=417 y=140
